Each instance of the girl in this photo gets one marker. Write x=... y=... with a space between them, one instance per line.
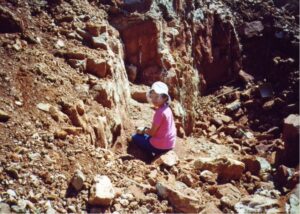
x=161 y=137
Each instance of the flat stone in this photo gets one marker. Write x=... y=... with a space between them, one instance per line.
x=102 y=192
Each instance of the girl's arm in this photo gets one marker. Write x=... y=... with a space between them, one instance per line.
x=151 y=131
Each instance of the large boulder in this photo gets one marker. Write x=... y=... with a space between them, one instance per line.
x=227 y=168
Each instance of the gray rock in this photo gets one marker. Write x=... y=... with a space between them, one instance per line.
x=252 y=29
x=257 y=204
x=78 y=180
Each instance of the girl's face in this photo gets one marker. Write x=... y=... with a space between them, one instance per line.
x=157 y=99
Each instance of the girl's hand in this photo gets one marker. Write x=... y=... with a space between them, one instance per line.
x=151 y=131
x=140 y=130
x=145 y=131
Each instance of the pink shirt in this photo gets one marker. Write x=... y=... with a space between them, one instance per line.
x=165 y=135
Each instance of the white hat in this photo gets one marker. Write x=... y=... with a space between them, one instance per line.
x=160 y=88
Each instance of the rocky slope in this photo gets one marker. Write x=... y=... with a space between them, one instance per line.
x=74 y=74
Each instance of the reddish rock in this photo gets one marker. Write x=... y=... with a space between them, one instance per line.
x=251 y=164
x=227 y=193
x=98 y=67
x=139 y=93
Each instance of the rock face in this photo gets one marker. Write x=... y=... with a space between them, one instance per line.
x=102 y=191
x=189 y=57
x=226 y=168
x=180 y=196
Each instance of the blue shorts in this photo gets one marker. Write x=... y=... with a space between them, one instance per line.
x=143 y=141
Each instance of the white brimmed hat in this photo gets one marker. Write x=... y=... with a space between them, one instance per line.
x=160 y=88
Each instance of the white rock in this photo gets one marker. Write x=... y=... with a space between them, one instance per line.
x=124 y=202
x=169 y=159
x=11 y=193
x=102 y=191
x=43 y=106
x=59 y=44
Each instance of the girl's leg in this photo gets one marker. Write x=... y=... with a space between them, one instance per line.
x=142 y=141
